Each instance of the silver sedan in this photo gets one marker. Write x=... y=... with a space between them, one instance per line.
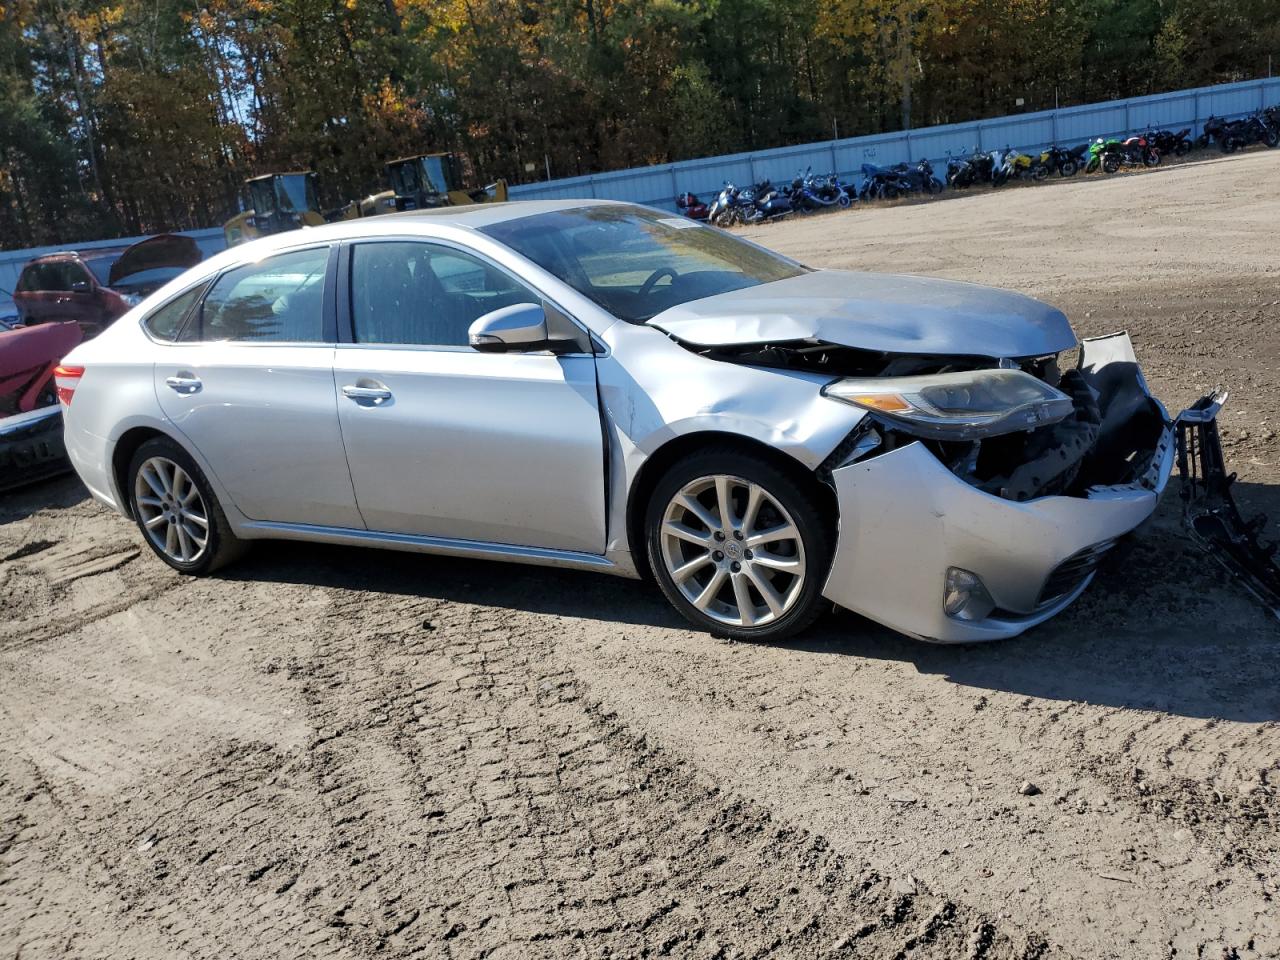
x=605 y=386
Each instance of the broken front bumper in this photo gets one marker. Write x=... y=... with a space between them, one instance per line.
x=906 y=520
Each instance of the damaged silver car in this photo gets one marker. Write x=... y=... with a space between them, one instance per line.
x=604 y=386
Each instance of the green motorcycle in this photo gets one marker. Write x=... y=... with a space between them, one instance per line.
x=1106 y=156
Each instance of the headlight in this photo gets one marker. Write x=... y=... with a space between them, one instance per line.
x=958 y=406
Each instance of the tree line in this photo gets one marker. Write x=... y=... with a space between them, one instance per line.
x=122 y=117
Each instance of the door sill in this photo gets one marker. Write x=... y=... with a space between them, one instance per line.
x=448 y=546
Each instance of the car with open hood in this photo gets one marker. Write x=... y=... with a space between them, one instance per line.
x=94 y=287
x=608 y=387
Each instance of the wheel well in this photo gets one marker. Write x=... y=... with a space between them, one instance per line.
x=653 y=469
x=125 y=448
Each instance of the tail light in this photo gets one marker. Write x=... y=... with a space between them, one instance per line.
x=67 y=378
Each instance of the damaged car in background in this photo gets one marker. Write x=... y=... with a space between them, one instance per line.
x=604 y=386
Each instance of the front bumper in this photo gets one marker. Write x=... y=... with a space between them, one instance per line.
x=905 y=519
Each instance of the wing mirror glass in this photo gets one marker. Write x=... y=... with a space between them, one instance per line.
x=80 y=286
x=521 y=326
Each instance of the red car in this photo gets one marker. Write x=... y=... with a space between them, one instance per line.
x=93 y=287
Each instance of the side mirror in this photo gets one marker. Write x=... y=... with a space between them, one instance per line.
x=80 y=286
x=521 y=326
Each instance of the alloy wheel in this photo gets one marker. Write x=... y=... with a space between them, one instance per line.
x=733 y=551
x=173 y=513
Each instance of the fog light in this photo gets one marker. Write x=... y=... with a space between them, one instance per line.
x=965 y=596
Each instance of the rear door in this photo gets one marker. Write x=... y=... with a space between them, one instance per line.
x=250 y=384
x=498 y=447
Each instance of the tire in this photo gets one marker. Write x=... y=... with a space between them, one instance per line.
x=1067 y=168
x=1110 y=164
x=1229 y=145
x=173 y=501
x=1182 y=149
x=1271 y=139
x=1040 y=173
x=1152 y=158
x=784 y=499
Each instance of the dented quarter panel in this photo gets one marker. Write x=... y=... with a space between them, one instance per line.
x=876 y=311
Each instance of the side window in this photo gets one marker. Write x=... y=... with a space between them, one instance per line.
x=51 y=277
x=165 y=323
x=28 y=280
x=72 y=274
x=279 y=300
x=424 y=294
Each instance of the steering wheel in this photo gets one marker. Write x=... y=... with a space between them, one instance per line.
x=646 y=288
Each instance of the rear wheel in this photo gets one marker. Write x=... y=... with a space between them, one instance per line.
x=1110 y=164
x=176 y=510
x=1271 y=138
x=738 y=545
x=1067 y=168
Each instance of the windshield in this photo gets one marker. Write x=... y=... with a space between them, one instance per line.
x=636 y=262
x=296 y=193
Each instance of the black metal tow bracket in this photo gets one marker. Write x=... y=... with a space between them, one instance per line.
x=1210 y=512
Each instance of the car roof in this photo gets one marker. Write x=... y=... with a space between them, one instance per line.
x=82 y=255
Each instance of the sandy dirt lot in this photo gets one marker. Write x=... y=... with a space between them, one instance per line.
x=345 y=753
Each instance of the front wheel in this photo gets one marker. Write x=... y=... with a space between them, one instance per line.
x=1110 y=164
x=176 y=510
x=738 y=545
x=1271 y=138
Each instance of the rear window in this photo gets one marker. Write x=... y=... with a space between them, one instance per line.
x=166 y=322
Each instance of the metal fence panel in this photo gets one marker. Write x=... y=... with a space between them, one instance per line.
x=1067 y=127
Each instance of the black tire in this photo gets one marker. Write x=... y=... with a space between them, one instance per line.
x=1040 y=173
x=798 y=495
x=221 y=545
x=1152 y=158
x=1110 y=164
x=1271 y=139
x=1067 y=168
x=1182 y=149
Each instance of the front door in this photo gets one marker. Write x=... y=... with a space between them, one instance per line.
x=250 y=384
x=445 y=441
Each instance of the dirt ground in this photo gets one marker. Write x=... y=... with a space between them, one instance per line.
x=333 y=752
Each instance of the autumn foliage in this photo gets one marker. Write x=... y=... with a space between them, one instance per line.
x=127 y=117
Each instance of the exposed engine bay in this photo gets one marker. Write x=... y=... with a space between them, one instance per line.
x=1114 y=433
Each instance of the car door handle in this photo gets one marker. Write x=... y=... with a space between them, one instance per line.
x=376 y=394
x=184 y=384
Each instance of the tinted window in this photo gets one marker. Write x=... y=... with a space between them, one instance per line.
x=279 y=299
x=636 y=262
x=409 y=292
x=30 y=278
x=73 y=273
x=165 y=323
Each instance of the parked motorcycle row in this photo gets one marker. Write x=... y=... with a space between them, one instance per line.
x=808 y=191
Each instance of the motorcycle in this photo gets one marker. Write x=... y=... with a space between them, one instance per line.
x=1233 y=135
x=1023 y=166
x=1066 y=162
x=762 y=202
x=692 y=207
x=964 y=172
x=1139 y=152
x=1104 y=155
x=919 y=176
x=31 y=446
x=1179 y=144
x=726 y=209
x=884 y=183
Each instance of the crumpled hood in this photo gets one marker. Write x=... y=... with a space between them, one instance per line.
x=875 y=311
